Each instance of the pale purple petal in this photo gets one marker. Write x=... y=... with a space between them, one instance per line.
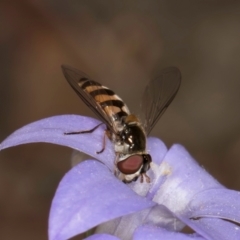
x=101 y=237
x=157 y=149
x=214 y=229
x=183 y=178
x=89 y=194
x=52 y=129
x=188 y=191
x=156 y=233
x=216 y=203
x=125 y=226
x=209 y=212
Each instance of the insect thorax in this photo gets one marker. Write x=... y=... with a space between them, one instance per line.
x=131 y=139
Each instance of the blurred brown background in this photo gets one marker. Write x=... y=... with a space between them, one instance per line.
x=120 y=44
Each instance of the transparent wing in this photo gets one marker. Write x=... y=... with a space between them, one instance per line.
x=74 y=78
x=158 y=95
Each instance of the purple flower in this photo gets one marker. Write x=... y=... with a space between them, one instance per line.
x=180 y=193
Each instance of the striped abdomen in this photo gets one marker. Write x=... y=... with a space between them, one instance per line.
x=110 y=103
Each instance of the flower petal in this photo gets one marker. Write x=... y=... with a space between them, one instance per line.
x=157 y=149
x=183 y=178
x=215 y=229
x=209 y=212
x=155 y=233
x=89 y=194
x=52 y=130
x=125 y=226
x=188 y=191
x=216 y=203
x=102 y=237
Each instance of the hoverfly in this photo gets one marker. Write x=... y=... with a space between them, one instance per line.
x=124 y=129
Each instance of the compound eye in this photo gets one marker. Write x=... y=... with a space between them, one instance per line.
x=130 y=165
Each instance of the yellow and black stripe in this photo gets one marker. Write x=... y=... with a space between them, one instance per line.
x=110 y=103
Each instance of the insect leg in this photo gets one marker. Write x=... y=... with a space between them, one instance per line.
x=146 y=177
x=104 y=141
x=86 y=131
x=116 y=171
